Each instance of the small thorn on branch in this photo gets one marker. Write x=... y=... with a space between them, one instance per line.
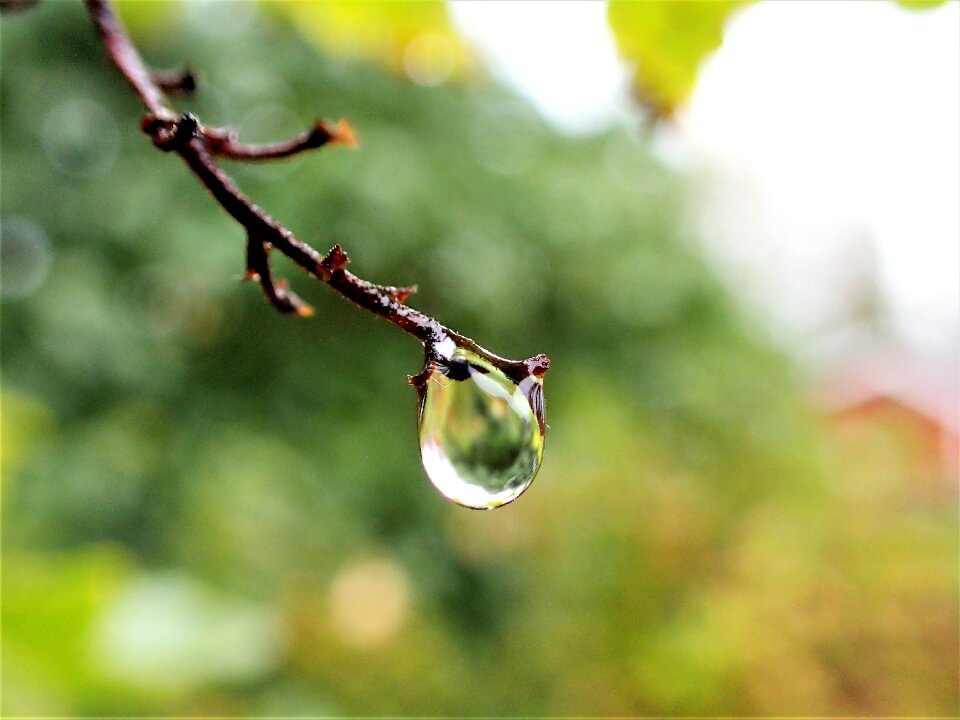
x=334 y=261
x=342 y=133
x=397 y=294
x=223 y=143
x=176 y=82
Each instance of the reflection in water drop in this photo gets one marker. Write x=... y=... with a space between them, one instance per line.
x=481 y=434
x=24 y=257
x=81 y=137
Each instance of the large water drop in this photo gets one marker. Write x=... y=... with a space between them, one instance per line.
x=481 y=433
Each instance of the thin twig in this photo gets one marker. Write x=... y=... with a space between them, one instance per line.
x=258 y=268
x=223 y=143
x=196 y=145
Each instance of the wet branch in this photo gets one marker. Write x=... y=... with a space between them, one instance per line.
x=197 y=146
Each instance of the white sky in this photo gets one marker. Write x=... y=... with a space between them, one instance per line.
x=820 y=129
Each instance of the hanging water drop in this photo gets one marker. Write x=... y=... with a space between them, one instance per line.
x=481 y=430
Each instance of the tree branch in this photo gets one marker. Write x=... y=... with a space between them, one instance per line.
x=196 y=145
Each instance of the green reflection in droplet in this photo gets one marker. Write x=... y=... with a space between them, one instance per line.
x=481 y=433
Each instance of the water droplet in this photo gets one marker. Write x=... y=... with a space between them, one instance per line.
x=481 y=432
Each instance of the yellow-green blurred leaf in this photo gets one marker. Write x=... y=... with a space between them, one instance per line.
x=920 y=4
x=416 y=37
x=668 y=41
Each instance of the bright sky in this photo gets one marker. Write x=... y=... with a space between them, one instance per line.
x=824 y=132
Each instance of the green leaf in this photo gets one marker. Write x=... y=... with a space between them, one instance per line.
x=668 y=41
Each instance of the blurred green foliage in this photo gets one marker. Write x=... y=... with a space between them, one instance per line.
x=210 y=509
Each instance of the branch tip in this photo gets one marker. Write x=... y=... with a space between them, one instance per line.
x=287 y=301
x=176 y=82
x=342 y=133
x=305 y=311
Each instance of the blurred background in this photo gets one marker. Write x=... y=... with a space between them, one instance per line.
x=734 y=229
